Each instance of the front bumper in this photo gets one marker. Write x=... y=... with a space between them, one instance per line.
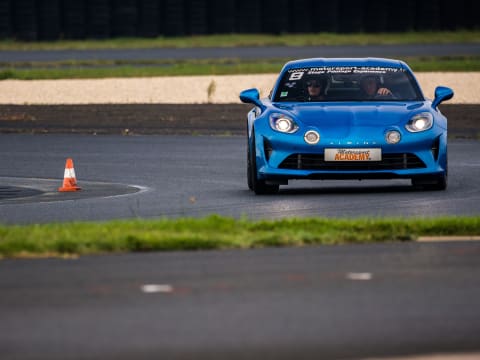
x=286 y=156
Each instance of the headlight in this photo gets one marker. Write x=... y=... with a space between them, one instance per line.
x=420 y=122
x=393 y=136
x=283 y=123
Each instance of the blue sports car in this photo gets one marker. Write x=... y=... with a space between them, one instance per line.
x=346 y=119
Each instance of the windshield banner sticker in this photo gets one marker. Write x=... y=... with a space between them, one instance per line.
x=297 y=74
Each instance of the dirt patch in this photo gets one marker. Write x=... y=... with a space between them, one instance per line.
x=124 y=119
x=201 y=119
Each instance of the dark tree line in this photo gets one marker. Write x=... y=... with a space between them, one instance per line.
x=79 y=19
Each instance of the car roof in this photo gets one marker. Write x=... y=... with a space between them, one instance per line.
x=318 y=62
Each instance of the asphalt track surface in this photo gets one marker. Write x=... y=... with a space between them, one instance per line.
x=172 y=176
x=327 y=302
x=246 y=53
x=344 y=302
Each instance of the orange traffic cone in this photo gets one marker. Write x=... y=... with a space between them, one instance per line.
x=69 y=180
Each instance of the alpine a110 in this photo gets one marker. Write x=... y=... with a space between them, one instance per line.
x=346 y=118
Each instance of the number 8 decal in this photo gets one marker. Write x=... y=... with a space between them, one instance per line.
x=296 y=76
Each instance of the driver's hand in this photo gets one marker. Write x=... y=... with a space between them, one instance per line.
x=384 y=91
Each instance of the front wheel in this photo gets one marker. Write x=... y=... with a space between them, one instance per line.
x=432 y=183
x=254 y=183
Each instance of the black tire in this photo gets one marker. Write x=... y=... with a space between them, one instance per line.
x=5 y=20
x=249 y=167
x=435 y=183
x=174 y=20
x=441 y=183
x=24 y=20
x=124 y=19
x=98 y=19
x=148 y=18
x=74 y=18
x=257 y=185
x=48 y=18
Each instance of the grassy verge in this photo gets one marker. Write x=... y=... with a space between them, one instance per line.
x=105 y=69
x=232 y=40
x=216 y=232
x=116 y=69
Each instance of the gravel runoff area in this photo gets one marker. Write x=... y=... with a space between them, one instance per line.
x=190 y=89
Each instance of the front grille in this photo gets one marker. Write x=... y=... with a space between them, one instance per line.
x=317 y=162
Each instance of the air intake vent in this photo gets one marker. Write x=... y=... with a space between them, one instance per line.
x=317 y=162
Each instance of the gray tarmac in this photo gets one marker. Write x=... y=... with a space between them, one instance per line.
x=323 y=302
x=172 y=176
x=341 y=302
x=246 y=53
x=326 y=302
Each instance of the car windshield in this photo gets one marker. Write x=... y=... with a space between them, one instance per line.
x=347 y=83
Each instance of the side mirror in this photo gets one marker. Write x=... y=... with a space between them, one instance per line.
x=442 y=93
x=251 y=96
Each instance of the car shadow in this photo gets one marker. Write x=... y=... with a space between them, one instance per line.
x=348 y=189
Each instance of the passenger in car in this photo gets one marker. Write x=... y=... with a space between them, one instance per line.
x=371 y=88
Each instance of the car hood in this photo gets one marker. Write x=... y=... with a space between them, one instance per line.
x=339 y=119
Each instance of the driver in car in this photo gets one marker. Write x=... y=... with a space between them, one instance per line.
x=371 y=88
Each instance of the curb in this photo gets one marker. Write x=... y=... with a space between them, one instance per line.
x=447 y=238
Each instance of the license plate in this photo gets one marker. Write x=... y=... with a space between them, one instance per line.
x=374 y=154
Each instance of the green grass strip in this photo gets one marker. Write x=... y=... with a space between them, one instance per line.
x=125 y=71
x=108 y=69
x=216 y=232
x=234 y=40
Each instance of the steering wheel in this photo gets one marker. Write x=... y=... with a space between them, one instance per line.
x=385 y=97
